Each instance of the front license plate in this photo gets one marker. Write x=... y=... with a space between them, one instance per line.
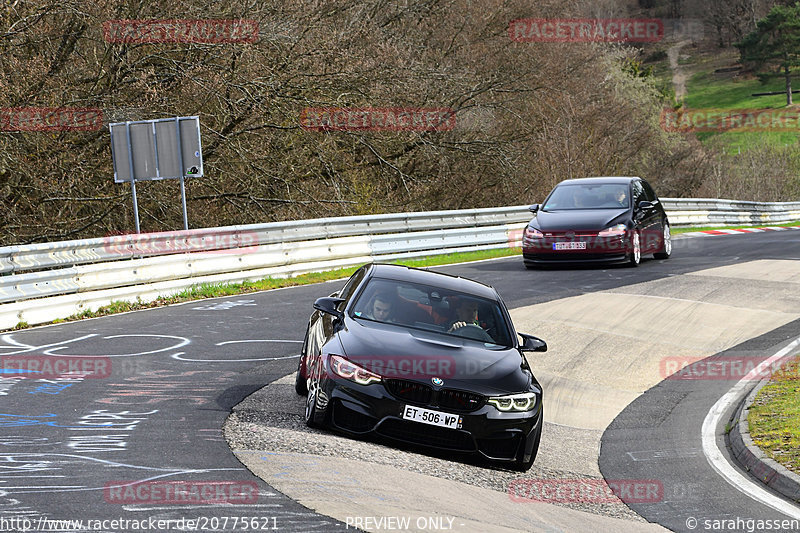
x=569 y=246
x=434 y=418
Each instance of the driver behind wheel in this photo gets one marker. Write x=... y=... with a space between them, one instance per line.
x=466 y=313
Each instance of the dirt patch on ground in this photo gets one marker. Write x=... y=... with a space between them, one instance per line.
x=687 y=58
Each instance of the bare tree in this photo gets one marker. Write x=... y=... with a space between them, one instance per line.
x=527 y=115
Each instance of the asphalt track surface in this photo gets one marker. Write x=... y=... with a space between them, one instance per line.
x=174 y=373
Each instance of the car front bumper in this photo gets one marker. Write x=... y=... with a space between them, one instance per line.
x=576 y=248
x=372 y=409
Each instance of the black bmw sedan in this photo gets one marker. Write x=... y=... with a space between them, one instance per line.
x=424 y=358
x=613 y=220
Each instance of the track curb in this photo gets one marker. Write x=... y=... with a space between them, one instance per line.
x=753 y=459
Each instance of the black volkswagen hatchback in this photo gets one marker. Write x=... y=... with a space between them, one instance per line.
x=615 y=220
x=423 y=358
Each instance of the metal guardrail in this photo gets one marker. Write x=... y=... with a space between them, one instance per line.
x=43 y=282
x=712 y=212
x=14 y=259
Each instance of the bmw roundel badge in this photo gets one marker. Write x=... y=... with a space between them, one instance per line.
x=437 y=381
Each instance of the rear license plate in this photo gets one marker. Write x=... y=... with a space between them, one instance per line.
x=434 y=418
x=569 y=246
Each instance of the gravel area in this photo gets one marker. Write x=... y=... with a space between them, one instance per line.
x=271 y=419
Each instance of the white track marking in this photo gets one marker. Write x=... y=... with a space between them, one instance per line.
x=717 y=459
x=177 y=356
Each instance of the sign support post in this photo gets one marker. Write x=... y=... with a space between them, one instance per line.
x=183 y=184
x=133 y=182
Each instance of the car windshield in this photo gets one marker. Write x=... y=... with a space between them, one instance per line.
x=434 y=309
x=588 y=196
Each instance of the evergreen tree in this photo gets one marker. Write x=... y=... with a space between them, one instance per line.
x=775 y=43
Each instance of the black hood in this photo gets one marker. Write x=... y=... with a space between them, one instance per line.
x=417 y=355
x=578 y=219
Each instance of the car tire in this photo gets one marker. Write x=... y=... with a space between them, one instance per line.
x=523 y=466
x=666 y=244
x=636 y=250
x=300 y=383
x=310 y=414
x=531 y=266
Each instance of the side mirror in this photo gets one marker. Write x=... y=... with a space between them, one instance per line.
x=644 y=205
x=534 y=208
x=532 y=344
x=330 y=306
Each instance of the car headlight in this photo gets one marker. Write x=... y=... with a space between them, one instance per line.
x=614 y=231
x=532 y=233
x=514 y=402
x=352 y=372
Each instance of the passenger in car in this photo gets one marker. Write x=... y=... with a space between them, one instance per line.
x=382 y=308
